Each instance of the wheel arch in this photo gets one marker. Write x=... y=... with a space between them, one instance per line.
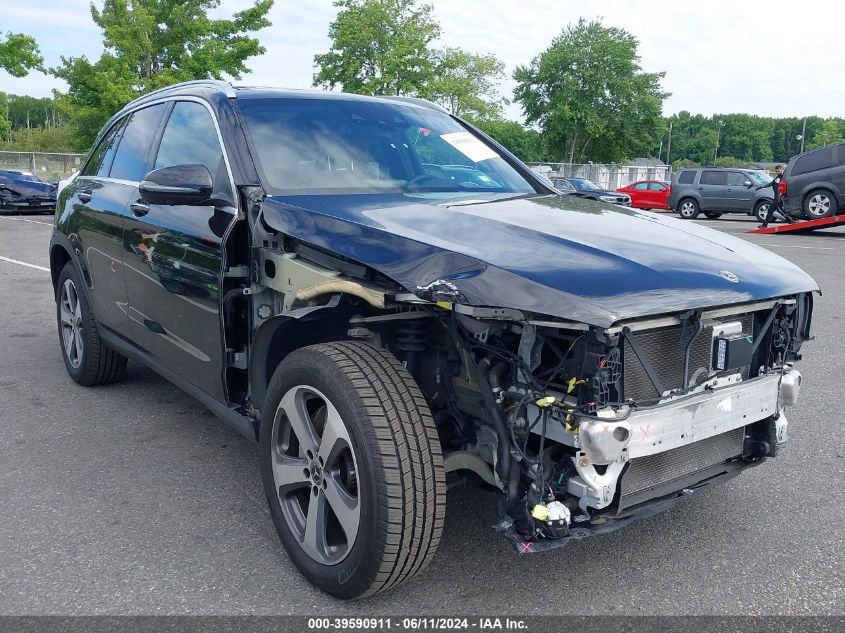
x=59 y=257
x=277 y=337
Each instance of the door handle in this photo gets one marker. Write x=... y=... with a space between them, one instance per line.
x=85 y=196
x=139 y=208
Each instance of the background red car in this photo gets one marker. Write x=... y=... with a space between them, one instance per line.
x=648 y=194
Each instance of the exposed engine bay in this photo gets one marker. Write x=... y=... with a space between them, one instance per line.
x=580 y=428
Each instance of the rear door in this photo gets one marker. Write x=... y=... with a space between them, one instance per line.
x=712 y=186
x=95 y=227
x=740 y=192
x=174 y=257
x=658 y=195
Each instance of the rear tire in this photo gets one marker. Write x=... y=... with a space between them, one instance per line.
x=382 y=460
x=688 y=209
x=88 y=360
x=713 y=215
x=820 y=203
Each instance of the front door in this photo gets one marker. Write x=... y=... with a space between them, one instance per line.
x=174 y=259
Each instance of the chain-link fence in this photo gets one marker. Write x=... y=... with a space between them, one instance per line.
x=605 y=176
x=49 y=167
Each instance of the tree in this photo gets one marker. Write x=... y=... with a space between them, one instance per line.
x=19 y=54
x=590 y=97
x=5 y=125
x=379 y=47
x=829 y=132
x=465 y=83
x=150 y=44
x=27 y=112
x=523 y=142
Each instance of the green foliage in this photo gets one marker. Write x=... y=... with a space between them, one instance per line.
x=379 y=47
x=150 y=44
x=590 y=97
x=747 y=137
x=5 y=125
x=466 y=83
x=523 y=142
x=19 y=54
x=39 y=139
x=829 y=132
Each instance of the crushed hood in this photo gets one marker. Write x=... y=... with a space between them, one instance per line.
x=559 y=256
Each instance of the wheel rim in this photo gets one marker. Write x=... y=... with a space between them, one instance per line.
x=819 y=204
x=315 y=475
x=762 y=211
x=687 y=209
x=71 y=317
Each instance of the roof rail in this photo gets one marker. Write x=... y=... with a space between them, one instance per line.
x=223 y=86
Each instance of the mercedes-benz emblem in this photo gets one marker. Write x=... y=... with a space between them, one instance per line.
x=726 y=274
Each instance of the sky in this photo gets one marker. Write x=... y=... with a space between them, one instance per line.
x=770 y=59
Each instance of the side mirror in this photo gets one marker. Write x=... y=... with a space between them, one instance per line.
x=180 y=184
x=749 y=184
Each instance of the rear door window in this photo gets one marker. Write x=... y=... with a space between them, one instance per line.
x=130 y=161
x=713 y=177
x=686 y=178
x=820 y=159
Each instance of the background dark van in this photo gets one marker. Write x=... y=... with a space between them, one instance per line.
x=814 y=183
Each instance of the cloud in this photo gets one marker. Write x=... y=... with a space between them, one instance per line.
x=721 y=56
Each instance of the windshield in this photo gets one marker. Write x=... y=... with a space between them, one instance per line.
x=584 y=185
x=335 y=146
x=761 y=177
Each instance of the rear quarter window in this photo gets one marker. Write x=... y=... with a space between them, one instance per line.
x=820 y=159
x=686 y=178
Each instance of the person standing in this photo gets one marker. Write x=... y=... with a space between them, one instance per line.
x=777 y=203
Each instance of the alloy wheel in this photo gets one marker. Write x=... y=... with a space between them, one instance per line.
x=818 y=204
x=315 y=474
x=71 y=317
x=687 y=209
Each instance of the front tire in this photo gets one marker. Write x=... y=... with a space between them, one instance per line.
x=88 y=360
x=820 y=203
x=688 y=209
x=352 y=468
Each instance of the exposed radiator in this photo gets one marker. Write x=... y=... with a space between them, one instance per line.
x=666 y=355
x=659 y=469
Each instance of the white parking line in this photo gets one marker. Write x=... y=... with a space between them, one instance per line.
x=812 y=248
x=5 y=217
x=14 y=261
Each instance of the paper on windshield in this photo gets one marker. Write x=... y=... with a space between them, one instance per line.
x=469 y=146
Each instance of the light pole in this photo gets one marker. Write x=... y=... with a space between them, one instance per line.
x=718 y=138
x=803 y=134
x=800 y=138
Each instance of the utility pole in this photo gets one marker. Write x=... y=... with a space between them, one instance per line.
x=669 y=146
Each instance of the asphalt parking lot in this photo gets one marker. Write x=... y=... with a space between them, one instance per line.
x=133 y=499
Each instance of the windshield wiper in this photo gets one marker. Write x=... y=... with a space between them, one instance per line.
x=466 y=203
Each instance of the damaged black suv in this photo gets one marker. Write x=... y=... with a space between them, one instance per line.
x=380 y=295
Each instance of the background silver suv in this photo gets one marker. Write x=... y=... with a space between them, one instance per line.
x=714 y=191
